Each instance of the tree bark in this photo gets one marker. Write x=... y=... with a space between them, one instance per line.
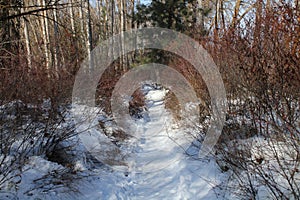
x=44 y=27
x=217 y=15
x=56 y=43
x=71 y=12
x=81 y=16
x=122 y=9
x=89 y=39
x=27 y=41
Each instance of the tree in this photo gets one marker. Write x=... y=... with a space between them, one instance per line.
x=27 y=40
x=45 y=34
x=177 y=14
x=9 y=31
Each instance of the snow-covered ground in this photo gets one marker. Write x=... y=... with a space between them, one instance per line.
x=158 y=167
x=155 y=166
x=157 y=161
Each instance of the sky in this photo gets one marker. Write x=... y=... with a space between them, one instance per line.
x=145 y=1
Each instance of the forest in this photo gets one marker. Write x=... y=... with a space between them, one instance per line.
x=46 y=138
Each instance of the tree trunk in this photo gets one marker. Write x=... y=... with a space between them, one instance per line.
x=112 y=17
x=258 y=16
x=222 y=14
x=99 y=18
x=9 y=31
x=217 y=15
x=89 y=38
x=123 y=57
x=27 y=42
x=71 y=12
x=236 y=13
x=106 y=19
x=44 y=26
x=81 y=16
x=112 y=30
x=56 y=43
x=199 y=19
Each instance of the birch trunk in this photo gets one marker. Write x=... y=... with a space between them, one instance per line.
x=44 y=24
x=47 y=34
x=122 y=9
x=27 y=42
x=56 y=43
x=71 y=12
x=217 y=15
x=88 y=29
x=106 y=20
x=112 y=21
x=89 y=38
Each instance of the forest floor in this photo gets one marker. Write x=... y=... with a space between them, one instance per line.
x=158 y=165
x=158 y=160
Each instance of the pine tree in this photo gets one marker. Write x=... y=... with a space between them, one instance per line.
x=172 y=14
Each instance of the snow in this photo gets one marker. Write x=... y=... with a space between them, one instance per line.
x=158 y=161
x=158 y=167
x=156 y=164
x=152 y=164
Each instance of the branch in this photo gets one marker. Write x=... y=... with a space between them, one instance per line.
x=48 y=7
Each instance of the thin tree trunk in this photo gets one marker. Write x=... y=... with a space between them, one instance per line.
x=89 y=40
x=88 y=27
x=45 y=36
x=133 y=24
x=81 y=16
x=124 y=12
x=71 y=12
x=268 y=5
x=35 y=34
x=258 y=16
x=112 y=17
x=27 y=42
x=99 y=10
x=236 y=13
x=222 y=13
x=217 y=13
x=122 y=9
x=56 y=43
x=257 y=31
x=106 y=19
x=112 y=21
x=200 y=17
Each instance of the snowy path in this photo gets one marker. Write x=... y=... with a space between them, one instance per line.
x=159 y=169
